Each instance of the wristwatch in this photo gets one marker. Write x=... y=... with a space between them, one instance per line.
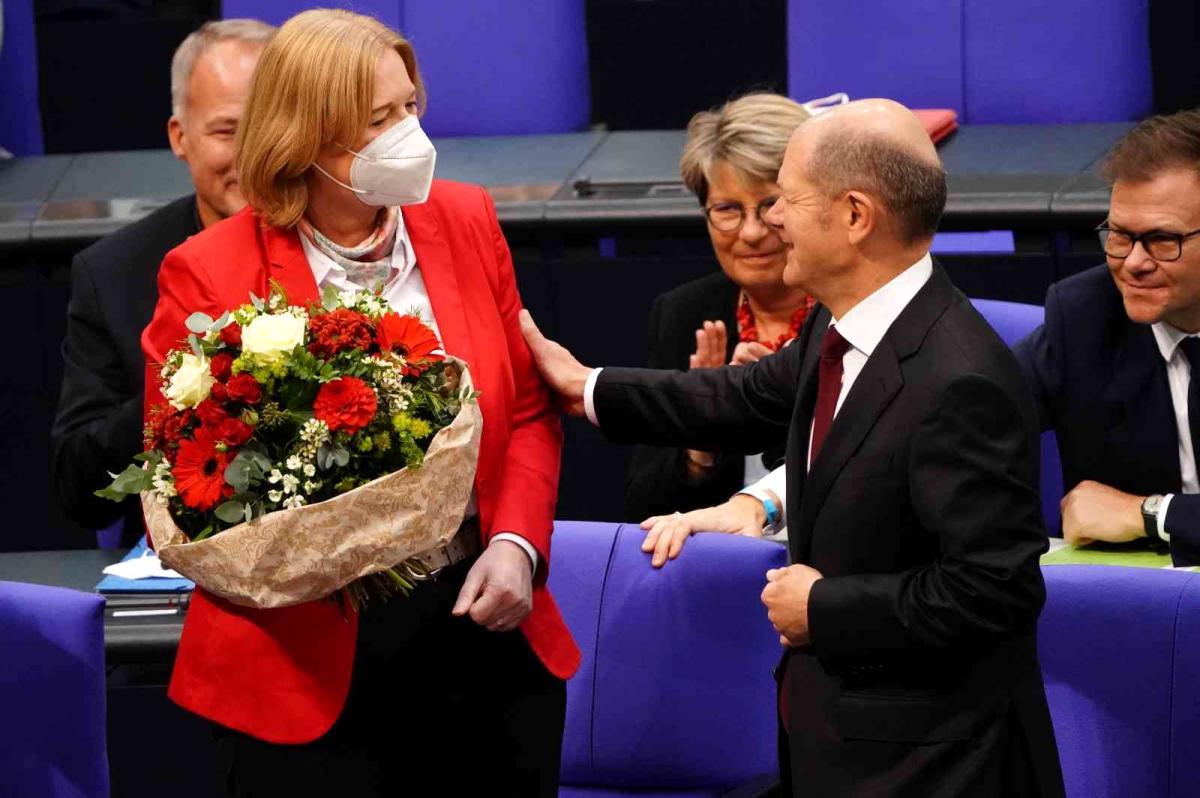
x=1150 y=507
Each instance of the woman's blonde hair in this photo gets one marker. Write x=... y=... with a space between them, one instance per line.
x=750 y=134
x=314 y=85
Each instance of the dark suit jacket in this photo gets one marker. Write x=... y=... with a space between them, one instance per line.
x=98 y=427
x=656 y=482
x=922 y=513
x=1100 y=382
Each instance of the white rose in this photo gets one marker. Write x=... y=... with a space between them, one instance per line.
x=269 y=338
x=190 y=383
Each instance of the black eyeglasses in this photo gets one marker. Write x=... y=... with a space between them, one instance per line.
x=1158 y=244
x=730 y=216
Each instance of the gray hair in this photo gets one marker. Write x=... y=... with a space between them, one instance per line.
x=750 y=134
x=250 y=31
x=912 y=189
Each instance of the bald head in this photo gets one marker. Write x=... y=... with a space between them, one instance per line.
x=880 y=148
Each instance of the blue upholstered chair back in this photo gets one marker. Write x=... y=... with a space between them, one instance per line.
x=675 y=696
x=993 y=62
x=20 y=119
x=490 y=69
x=1012 y=321
x=52 y=738
x=1119 y=650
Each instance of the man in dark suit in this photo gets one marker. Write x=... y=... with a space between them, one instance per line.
x=1112 y=367
x=98 y=427
x=914 y=525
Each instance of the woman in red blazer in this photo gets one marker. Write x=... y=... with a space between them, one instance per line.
x=459 y=687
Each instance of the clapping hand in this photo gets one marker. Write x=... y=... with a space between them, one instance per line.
x=711 y=340
x=747 y=352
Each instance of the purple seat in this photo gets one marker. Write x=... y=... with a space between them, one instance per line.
x=1115 y=647
x=1068 y=61
x=992 y=62
x=675 y=696
x=20 y=119
x=495 y=69
x=1012 y=321
x=491 y=69
x=52 y=690
x=1185 y=694
x=910 y=51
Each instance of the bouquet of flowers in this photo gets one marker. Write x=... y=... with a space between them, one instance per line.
x=301 y=451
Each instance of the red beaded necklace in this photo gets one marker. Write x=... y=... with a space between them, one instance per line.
x=747 y=331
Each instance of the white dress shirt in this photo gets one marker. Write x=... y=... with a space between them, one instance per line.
x=863 y=327
x=406 y=293
x=1179 y=374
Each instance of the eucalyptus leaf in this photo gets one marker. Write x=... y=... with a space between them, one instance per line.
x=330 y=297
x=256 y=302
x=198 y=323
x=134 y=479
x=111 y=495
x=196 y=348
x=222 y=321
x=231 y=512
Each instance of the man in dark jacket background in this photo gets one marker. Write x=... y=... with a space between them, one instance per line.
x=98 y=426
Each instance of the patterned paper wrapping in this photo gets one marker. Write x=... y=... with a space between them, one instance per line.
x=292 y=556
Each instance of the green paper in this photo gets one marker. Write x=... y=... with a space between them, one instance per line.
x=1101 y=554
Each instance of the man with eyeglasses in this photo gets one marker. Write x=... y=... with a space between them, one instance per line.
x=1112 y=366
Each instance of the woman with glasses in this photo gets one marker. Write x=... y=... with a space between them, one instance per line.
x=736 y=315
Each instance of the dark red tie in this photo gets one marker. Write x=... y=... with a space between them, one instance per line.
x=829 y=385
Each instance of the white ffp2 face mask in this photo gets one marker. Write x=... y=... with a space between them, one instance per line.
x=395 y=168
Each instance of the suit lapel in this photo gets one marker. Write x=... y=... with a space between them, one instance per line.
x=1141 y=414
x=873 y=390
x=436 y=262
x=289 y=266
x=798 y=433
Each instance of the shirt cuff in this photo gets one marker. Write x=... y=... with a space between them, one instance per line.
x=776 y=483
x=1161 y=517
x=523 y=543
x=589 y=387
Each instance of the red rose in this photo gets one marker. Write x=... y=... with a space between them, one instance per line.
x=231 y=334
x=221 y=366
x=346 y=403
x=409 y=338
x=234 y=431
x=244 y=388
x=338 y=331
x=211 y=414
x=219 y=393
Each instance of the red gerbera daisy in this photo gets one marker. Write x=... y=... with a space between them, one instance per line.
x=345 y=403
x=200 y=470
x=338 y=331
x=408 y=337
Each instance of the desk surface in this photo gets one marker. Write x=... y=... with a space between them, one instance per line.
x=127 y=638
x=999 y=174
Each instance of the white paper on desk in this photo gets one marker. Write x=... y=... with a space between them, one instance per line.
x=145 y=567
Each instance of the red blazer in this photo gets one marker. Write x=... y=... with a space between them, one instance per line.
x=282 y=675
